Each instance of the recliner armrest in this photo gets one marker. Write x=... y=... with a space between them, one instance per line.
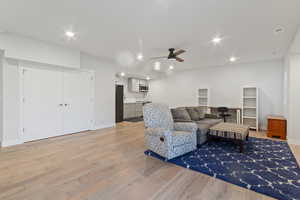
x=183 y=126
x=160 y=132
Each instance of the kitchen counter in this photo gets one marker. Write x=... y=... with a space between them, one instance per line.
x=134 y=109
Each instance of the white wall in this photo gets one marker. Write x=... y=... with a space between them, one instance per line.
x=225 y=83
x=1 y=94
x=23 y=48
x=293 y=94
x=105 y=89
x=11 y=102
x=294 y=100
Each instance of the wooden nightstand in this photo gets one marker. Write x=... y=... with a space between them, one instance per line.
x=277 y=127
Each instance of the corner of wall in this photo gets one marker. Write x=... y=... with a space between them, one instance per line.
x=1 y=94
x=293 y=141
x=8 y=143
x=102 y=126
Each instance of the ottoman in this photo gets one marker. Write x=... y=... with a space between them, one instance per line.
x=229 y=131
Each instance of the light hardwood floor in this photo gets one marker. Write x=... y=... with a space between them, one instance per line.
x=105 y=164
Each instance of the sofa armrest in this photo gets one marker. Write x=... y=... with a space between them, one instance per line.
x=185 y=126
x=211 y=116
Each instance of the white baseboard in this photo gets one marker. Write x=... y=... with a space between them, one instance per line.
x=7 y=143
x=97 y=127
x=293 y=141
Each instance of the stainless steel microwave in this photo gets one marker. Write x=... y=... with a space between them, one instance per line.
x=144 y=88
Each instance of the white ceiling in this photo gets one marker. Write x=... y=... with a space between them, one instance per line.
x=119 y=29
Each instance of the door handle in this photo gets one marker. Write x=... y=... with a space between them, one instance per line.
x=66 y=104
x=61 y=104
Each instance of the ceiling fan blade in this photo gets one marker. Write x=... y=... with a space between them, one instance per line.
x=159 y=57
x=179 y=59
x=178 y=52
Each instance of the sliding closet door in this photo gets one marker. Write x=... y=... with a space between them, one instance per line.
x=42 y=104
x=78 y=92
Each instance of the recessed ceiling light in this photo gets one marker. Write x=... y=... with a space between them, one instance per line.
x=139 y=56
x=157 y=66
x=70 y=34
x=232 y=59
x=148 y=78
x=171 y=67
x=122 y=74
x=216 y=40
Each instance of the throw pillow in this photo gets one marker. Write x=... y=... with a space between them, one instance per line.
x=180 y=114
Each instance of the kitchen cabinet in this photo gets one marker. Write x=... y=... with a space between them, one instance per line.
x=134 y=84
x=133 y=110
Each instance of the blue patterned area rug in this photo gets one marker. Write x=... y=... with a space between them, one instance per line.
x=266 y=166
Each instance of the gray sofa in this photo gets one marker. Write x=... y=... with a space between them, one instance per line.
x=196 y=115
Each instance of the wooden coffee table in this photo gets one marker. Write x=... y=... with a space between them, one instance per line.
x=229 y=131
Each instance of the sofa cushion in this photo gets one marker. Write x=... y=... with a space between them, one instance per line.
x=194 y=113
x=203 y=127
x=201 y=111
x=209 y=122
x=180 y=114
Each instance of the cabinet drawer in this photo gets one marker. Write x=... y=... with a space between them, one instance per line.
x=276 y=125
x=277 y=128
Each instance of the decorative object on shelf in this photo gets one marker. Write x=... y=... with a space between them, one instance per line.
x=277 y=127
x=250 y=107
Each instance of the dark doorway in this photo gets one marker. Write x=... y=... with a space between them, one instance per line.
x=119 y=103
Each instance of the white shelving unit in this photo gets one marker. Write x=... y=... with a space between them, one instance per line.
x=250 y=105
x=203 y=97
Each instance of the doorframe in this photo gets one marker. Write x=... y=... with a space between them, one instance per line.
x=21 y=107
x=22 y=70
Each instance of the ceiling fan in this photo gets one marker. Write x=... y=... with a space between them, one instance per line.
x=173 y=55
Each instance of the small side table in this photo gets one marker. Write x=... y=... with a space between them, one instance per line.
x=277 y=127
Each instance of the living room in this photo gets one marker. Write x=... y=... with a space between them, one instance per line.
x=149 y=99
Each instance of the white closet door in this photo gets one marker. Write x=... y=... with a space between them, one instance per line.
x=77 y=101
x=42 y=109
